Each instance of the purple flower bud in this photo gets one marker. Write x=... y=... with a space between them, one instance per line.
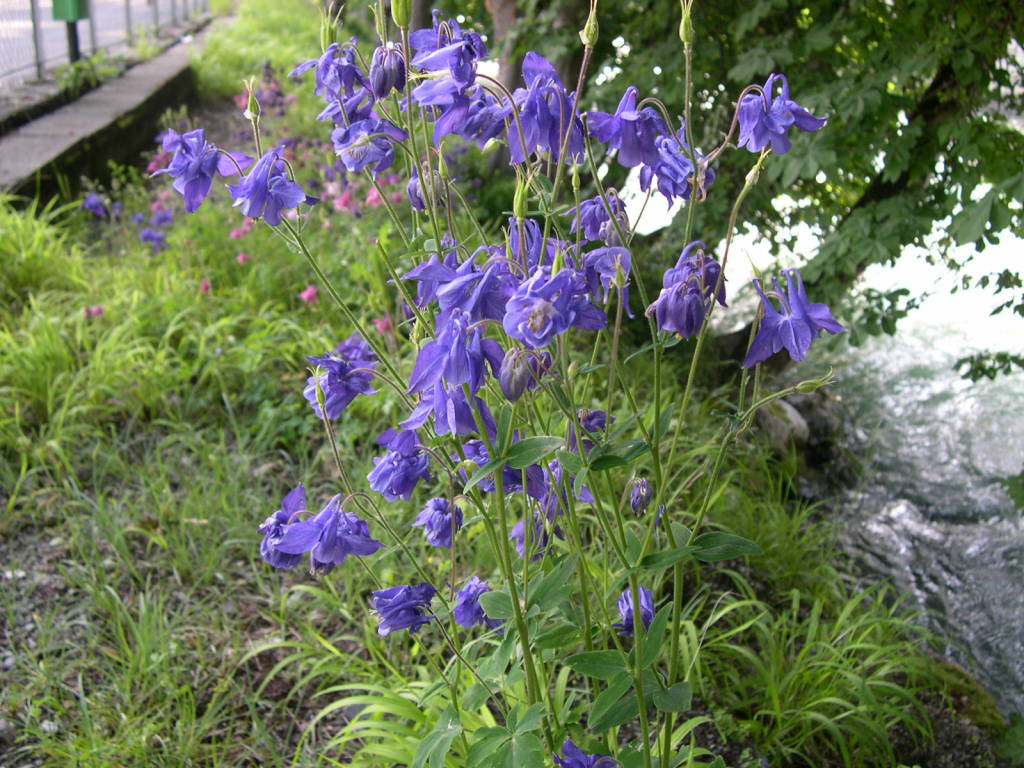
x=640 y=494
x=521 y=370
x=468 y=611
x=387 y=70
x=404 y=607
x=625 y=627
x=441 y=520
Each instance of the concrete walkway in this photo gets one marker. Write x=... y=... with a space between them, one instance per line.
x=114 y=122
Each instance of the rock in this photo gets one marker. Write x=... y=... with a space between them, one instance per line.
x=8 y=731
x=783 y=425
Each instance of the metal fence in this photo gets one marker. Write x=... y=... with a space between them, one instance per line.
x=32 y=42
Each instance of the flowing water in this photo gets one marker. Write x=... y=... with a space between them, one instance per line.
x=932 y=511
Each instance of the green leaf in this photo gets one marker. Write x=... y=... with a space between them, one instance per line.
x=719 y=545
x=475 y=697
x=678 y=698
x=668 y=557
x=570 y=462
x=606 y=462
x=489 y=742
x=603 y=665
x=624 y=709
x=497 y=605
x=969 y=225
x=655 y=637
x=435 y=745
x=551 y=589
x=559 y=636
x=526 y=749
x=610 y=696
x=504 y=427
x=530 y=450
x=530 y=720
x=483 y=472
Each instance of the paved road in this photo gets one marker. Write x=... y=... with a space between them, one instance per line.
x=108 y=29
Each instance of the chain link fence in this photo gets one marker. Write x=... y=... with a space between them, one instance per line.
x=31 y=41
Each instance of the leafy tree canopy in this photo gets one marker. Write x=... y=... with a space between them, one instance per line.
x=920 y=97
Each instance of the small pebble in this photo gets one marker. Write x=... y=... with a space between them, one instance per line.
x=49 y=727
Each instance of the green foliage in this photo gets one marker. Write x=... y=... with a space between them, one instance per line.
x=811 y=682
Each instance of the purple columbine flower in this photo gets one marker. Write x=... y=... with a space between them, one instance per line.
x=162 y=218
x=441 y=520
x=511 y=479
x=452 y=412
x=194 y=164
x=468 y=611
x=539 y=537
x=154 y=237
x=275 y=527
x=337 y=72
x=396 y=474
x=330 y=537
x=606 y=267
x=545 y=113
x=577 y=758
x=521 y=370
x=595 y=222
x=674 y=170
x=405 y=607
x=640 y=494
x=625 y=627
x=545 y=306
x=348 y=374
x=460 y=354
x=593 y=422
x=448 y=46
x=387 y=70
x=631 y=131
x=687 y=293
x=794 y=328
x=93 y=203
x=765 y=120
x=266 y=190
x=367 y=142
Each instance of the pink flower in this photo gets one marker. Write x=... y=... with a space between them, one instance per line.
x=309 y=295
x=397 y=196
x=373 y=199
x=94 y=311
x=242 y=257
x=243 y=230
x=382 y=324
x=345 y=202
x=156 y=206
x=204 y=287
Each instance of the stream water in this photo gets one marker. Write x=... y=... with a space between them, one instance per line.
x=932 y=511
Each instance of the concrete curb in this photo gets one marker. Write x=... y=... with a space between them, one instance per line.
x=113 y=122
